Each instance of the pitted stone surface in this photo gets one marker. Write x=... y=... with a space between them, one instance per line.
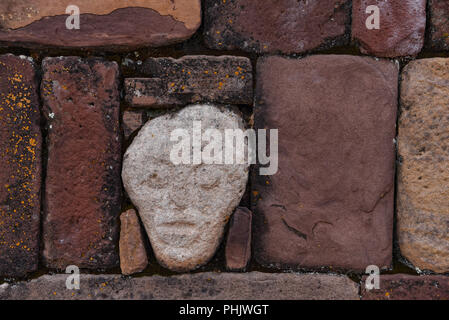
x=133 y=256
x=106 y=23
x=83 y=188
x=238 y=243
x=184 y=207
x=408 y=287
x=423 y=179
x=439 y=26
x=401 y=28
x=20 y=166
x=287 y=26
x=331 y=201
x=202 y=286
x=192 y=79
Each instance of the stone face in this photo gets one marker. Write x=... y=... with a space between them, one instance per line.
x=184 y=207
x=401 y=28
x=439 y=27
x=131 y=122
x=408 y=287
x=423 y=179
x=20 y=168
x=192 y=79
x=199 y=286
x=286 y=26
x=133 y=256
x=83 y=189
x=118 y=23
x=331 y=201
x=238 y=244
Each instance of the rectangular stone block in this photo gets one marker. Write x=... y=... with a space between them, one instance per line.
x=331 y=202
x=20 y=167
x=83 y=186
x=439 y=26
x=287 y=26
x=238 y=243
x=423 y=173
x=198 y=286
x=399 y=30
x=106 y=23
x=192 y=79
x=408 y=287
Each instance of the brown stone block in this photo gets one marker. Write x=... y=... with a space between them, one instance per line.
x=83 y=187
x=106 y=23
x=192 y=79
x=20 y=169
x=287 y=26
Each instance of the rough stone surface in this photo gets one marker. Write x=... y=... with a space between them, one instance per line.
x=423 y=179
x=184 y=207
x=408 y=287
x=238 y=244
x=439 y=26
x=288 y=26
x=118 y=23
x=20 y=167
x=192 y=79
x=331 y=201
x=131 y=122
x=203 y=286
x=83 y=189
x=402 y=27
x=133 y=256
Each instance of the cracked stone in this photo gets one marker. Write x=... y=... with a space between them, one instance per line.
x=184 y=207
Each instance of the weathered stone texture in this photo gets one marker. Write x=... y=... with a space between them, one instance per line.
x=132 y=121
x=202 y=286
x=83 y=189
x=402 y=27
x=238 y=244
x=408 y=287
x=118 y=23
x=331 y=201
x=423 y=179
x=133 y=256
x=288 y=26
x=439 y=24
x=184 y=207
x=192 y=79
x=20 y=167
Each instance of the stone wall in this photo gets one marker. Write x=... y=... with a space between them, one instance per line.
x=88 y=182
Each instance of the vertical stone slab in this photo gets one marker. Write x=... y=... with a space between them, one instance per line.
x=423 y=179
x=402 y=26
x=83 y=189
x=287 y=26
x=439 y=26
x=238 y=244
x=20 y=167
x=331 y=201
